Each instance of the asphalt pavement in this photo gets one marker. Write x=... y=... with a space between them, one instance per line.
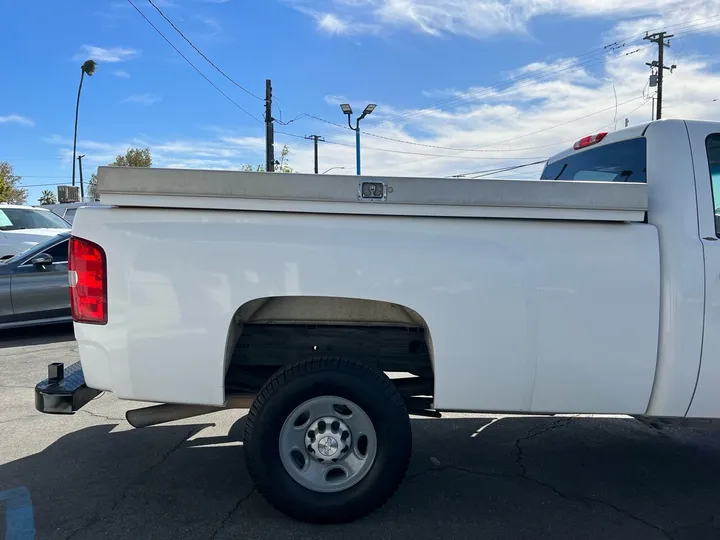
x=92 y=476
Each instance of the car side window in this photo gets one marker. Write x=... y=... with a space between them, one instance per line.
x=59 y=252
x=713 y=150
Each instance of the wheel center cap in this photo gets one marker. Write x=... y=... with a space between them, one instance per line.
x=328 y=446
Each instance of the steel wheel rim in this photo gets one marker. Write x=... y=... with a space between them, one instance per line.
x=328 y=444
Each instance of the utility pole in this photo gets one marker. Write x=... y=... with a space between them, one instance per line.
x=269 y=129
x=315 y=139
x=82 y=190
x=660 y=39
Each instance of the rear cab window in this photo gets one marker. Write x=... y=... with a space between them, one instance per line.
x=623 y=161
x=712 y=144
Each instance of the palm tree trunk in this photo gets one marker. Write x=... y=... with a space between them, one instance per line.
x=77 y=109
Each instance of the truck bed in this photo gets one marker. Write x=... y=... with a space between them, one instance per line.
x=402 y=196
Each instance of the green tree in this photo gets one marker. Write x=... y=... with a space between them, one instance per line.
x=134 y=157
x=281 y=166
x=47 y=197
x=10 y=191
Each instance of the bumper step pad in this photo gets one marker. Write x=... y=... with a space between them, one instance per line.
x=64 y=391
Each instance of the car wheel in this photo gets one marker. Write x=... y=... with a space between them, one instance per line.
x=328 y=440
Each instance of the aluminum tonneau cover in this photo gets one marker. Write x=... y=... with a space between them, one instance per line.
x=344 y=194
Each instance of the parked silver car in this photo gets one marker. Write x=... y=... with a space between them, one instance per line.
x=34 y=285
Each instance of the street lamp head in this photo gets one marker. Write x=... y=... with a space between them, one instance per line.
x=370 y=108
x=347 y=109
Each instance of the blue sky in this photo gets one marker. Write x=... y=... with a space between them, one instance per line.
x=441 y=72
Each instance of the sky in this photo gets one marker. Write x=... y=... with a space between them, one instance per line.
x=461 y=86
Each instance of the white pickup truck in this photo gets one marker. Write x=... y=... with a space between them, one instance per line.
x=306 y=298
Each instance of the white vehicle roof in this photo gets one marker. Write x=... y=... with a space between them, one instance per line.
x=25 y=206
x=624 y=134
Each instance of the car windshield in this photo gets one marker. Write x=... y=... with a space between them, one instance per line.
x=13 y=219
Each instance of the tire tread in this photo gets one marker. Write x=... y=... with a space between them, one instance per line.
x=316 y=365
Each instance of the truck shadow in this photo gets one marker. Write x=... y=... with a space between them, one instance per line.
x=36 y=335
x=515 y=478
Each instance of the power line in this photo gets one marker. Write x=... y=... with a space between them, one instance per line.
x=488 y=92
x=700 y=31
x=28 y=158
x=507 y=169
x=602 y=52
x=404 y=152
x=599 y=54
x=193 y=65
x=38 y=185
x=202 y=54
x=40 y=176
x=594 y=57
x=483 y=148
x=556 y=143
x=502 y=169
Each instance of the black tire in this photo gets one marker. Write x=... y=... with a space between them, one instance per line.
x=371 y=390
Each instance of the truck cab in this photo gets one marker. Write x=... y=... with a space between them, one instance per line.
x=680 y=162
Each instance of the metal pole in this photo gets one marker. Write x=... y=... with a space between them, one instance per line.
x=659 y=38
x=652 y=110
x=661 y=70
x=77 y=109
x=357 y=146
x=315 y=138
x=269 y=131
x=82 y=191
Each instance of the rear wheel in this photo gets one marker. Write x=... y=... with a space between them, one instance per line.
x=328 y=440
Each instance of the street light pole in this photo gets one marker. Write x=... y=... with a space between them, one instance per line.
x=332 y=169
x=346 y=109
x=357 y=146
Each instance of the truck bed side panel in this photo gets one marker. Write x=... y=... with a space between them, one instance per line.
x=523 y=315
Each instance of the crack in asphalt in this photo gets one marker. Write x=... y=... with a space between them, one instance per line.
x=713 y=523
x=577 y=497
x=227 y=518
x=524 y=476
x=535 y=433
x=102 y=416
x=140 y=477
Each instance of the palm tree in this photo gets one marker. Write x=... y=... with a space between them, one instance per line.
x=88 y=68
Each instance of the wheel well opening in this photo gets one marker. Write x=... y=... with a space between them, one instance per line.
x=269 y=333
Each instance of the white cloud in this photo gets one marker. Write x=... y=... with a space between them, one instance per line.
x=121 y=74
x=483 y=18
x=16 y=119
x=544 y=109
x=143 y=99
x=212 y=27
x=332 y=24
x=224 y=152
x=102 y=54
x=335 y=100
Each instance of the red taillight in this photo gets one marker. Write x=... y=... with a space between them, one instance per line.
x=589 y=141
x=88 y=282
